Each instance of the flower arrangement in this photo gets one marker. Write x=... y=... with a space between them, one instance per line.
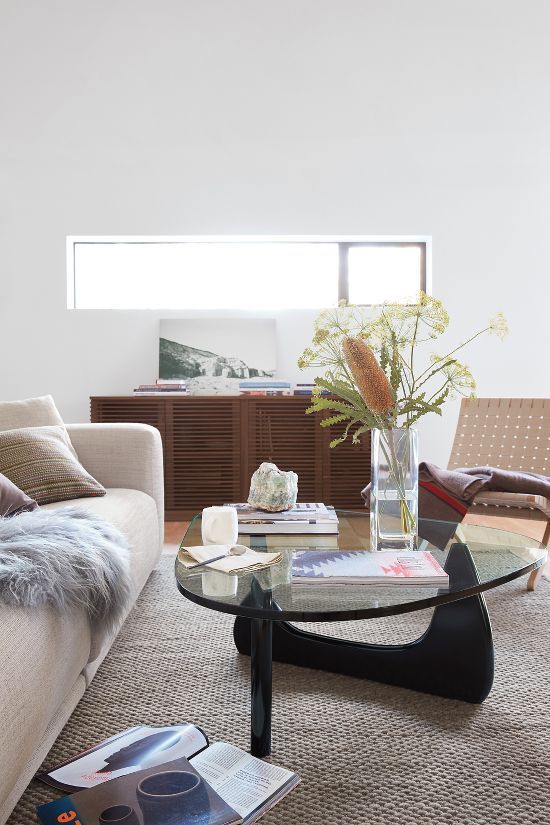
x=375 y=380
x=371 y=367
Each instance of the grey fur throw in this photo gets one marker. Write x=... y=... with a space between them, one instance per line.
x=67 y=559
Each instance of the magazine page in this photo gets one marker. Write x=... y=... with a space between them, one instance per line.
x=244 y=782
x=129 y=751
x=169 y=794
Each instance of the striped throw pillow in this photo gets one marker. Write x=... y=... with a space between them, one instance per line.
x=42 y=462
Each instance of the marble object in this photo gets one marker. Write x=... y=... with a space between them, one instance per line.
x=219 y=525
x=272 y=489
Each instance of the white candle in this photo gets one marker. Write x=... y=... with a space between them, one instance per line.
x=220 y=525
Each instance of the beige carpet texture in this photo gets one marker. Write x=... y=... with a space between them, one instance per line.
x=367 y=753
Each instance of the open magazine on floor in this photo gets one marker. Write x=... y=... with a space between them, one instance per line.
x=169 y=794
x=111 y=772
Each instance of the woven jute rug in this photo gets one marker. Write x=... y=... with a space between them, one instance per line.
x=367 y=753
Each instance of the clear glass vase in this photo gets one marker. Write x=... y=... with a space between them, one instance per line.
x=394 y=489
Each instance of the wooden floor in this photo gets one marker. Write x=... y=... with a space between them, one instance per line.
x=174 y=531
x=532 y=527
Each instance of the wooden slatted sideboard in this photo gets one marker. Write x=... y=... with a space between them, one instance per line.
x=213 y=444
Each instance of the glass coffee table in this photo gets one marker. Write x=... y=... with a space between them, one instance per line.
x=453 y=658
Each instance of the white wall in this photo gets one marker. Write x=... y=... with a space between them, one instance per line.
x=283 y=117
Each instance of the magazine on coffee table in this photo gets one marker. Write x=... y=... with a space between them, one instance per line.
x=367 y=567
x=246 y=784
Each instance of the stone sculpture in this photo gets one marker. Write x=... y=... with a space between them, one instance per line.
x=272 y=489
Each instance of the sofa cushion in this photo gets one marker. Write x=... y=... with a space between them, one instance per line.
x=41 y=461
x=32 y=412
x=13 y=500
x=46 y=656
x=135 y=514
x=43 y=654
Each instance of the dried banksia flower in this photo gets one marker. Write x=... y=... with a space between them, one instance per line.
x=369 y=376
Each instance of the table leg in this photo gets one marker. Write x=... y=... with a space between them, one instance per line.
x=261 y=686
x=453 y=658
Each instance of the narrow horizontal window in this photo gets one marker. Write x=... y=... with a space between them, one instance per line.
x=384 y=272
x=229 y=273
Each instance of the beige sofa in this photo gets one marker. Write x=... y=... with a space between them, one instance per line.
x=46 y=659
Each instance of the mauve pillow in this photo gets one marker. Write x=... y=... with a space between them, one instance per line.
x=13 y=500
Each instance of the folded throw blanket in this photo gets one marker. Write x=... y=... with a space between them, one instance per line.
x=446 y=495
x=466 y=482
x=67 y=559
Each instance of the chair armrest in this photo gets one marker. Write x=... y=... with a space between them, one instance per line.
x=123 y=455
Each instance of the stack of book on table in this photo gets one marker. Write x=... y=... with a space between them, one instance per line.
x=163 y=776
x=163 y=387
x=302 y=518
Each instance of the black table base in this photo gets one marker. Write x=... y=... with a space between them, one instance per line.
x=259 y=638
x=453 y=658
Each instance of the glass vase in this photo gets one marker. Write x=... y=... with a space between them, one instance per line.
x=394 y=489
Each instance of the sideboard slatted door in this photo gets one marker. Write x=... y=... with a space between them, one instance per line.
x=281 y=432
x=137 y=410
x=347 y=468
x=212 y=445
x=206 y=453
x=134 y=410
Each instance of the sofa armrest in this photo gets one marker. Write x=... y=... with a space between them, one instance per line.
x=123 y=455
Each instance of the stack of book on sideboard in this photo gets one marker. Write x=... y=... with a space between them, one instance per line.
x=270 y=387
x=301 y=519
x=264 y=386
x=163 y=386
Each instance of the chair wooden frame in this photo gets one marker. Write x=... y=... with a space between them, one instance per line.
x=512 y=434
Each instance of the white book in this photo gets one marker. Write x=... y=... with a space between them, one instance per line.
x=300 y=512
x=303 y=518
x=291 y=527
x=368 y=567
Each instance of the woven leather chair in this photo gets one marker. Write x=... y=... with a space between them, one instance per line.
x=512 y=434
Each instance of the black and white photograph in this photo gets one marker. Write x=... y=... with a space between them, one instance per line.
x=214 y=355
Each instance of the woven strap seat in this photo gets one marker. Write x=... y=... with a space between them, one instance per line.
x=511 y=434
x=522 y=500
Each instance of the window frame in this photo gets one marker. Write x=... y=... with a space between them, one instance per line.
x=344 y=243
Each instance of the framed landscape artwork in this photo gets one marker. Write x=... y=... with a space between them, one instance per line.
x=214 y=355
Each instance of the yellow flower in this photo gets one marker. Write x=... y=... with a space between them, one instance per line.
x=320 y=335
x=369 y=376
x=498 y=326
x=459 y=375
x=306 y=358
